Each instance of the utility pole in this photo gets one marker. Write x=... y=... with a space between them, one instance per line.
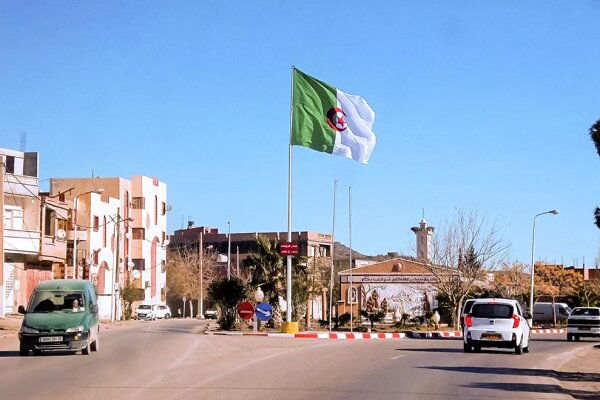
x=2 y=295
x=201 y=305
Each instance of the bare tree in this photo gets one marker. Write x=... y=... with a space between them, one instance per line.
x=463 y=252
x=183 y=272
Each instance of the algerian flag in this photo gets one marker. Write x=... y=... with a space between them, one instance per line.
x=326 y=119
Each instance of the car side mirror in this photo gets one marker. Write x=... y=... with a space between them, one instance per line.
x=22 y=310
x=527 y=315
x=95 y=309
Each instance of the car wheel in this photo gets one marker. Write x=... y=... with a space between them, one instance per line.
x=37 y=352
x=167 y=316
x=86 y=350
x=476 y=349
x=569 y=337
x=96 y=343
x=23 y=352
x=467 y=348
x=519 y=347
x=577 y=338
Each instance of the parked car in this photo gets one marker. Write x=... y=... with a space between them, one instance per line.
x=162 y=311
x=583 y=322
x=145 y=311
x=61 y=315
x=211 y=314
x=496 y=323
x=542 y=312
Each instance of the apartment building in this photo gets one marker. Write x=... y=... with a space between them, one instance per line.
x=21 y=227
x=119 y=236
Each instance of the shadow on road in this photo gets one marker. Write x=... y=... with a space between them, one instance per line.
x=4 y=354
x=434 y=350
x=562 y=376
x=526 y=387
x=534 y=388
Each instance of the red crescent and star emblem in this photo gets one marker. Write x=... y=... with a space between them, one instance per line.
x=336 y=118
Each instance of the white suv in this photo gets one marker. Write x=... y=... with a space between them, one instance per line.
x=496 y=323
x=583 y=321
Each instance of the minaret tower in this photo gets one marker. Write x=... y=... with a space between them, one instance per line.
x=423 y=233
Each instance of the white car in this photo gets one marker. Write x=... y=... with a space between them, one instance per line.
x=496 y=323
x=583 y=322
x=145 y=311
x=161 y=311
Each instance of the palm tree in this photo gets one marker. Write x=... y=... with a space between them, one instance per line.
x=595 y=136
x=269 y=272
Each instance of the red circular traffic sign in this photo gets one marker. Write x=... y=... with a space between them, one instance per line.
x=245 y=310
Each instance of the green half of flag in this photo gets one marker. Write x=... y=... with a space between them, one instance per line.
x=311 y=101
x=326 y=119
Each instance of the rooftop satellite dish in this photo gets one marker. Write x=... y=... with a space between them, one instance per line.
x=136 y=274
x=61 y=234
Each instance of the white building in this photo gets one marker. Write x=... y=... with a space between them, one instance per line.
x=124 y=226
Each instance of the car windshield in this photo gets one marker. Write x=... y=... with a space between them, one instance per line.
x=145 y=307
x=588 y=312
x=56 y=301
x=486 y=310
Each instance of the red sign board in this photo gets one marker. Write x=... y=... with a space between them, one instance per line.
x=246 y=310
x=288 y=248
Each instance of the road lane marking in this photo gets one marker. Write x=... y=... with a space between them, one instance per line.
x=397 y=357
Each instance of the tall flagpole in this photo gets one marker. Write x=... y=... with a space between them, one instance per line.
x=289 y=235
x=350 y=243
x=332 y=257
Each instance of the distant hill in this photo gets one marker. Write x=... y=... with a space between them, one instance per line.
x=343 y=252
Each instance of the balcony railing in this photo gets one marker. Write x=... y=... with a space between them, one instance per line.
x=21 y=242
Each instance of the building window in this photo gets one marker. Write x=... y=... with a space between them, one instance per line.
x=137 y=233
x=163 y=266
x=13 y=217
x=163 y=208
x=138 y=203
x=96 y=254
x=164 y=237
x=49 y=219
x=10 y=164
x=96 y=223
x=155 y=210
x=139 y=264
x=104 y=232
x=352 y=295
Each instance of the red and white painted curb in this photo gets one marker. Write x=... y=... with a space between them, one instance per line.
x=430 y=335
x=547 y=331
x=368 y=336
x=318 y=335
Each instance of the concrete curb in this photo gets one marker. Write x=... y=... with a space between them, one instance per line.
x=319 y=335
x=368 y=336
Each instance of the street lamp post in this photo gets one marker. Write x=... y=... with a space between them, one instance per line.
x=116 y=268
x=201 y=305
x=229 y=251
x=554 y=212
x=75 y=202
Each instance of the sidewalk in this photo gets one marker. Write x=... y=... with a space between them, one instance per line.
x=580 y=375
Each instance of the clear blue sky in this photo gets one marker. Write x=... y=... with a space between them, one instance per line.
x=481 y=105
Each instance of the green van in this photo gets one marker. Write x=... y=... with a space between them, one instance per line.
x=62 y=315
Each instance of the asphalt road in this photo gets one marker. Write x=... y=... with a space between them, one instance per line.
x=172 y=360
